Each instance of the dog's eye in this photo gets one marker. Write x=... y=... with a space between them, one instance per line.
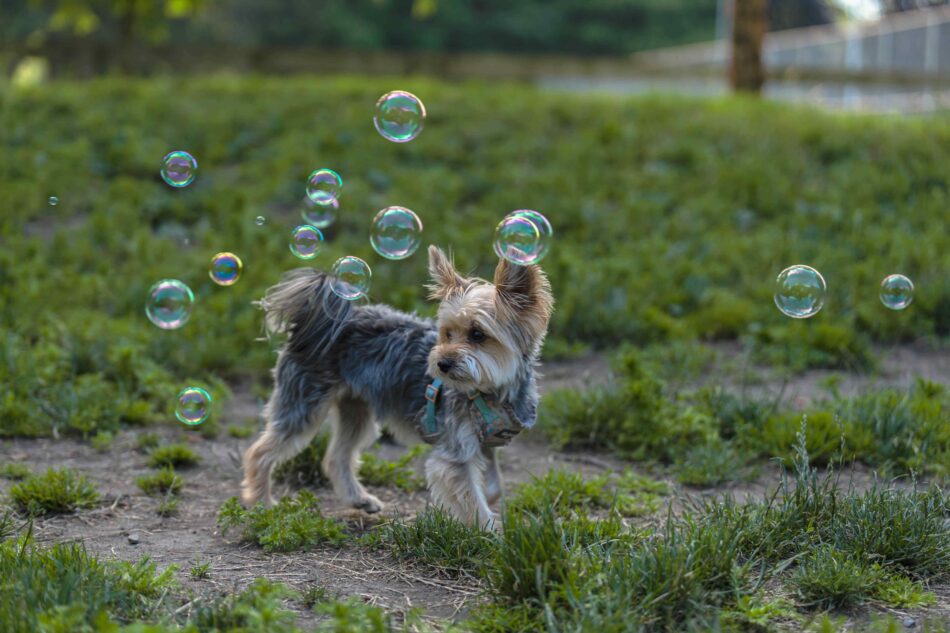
x=476 y=335
x=447 y=335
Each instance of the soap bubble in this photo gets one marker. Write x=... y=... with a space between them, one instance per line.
x=400 y=116
x=169 y=304
x=53 y=201
x=305 y=241
x=179 y=169
x=897 y=292
x=260 y=220
x=351 y=277
x=541 y=223
x=193 y=406
x=395 y=233
x=225 y=269
x=319 y=215
x=518 y=240
x=324 y=186
x=800 y=291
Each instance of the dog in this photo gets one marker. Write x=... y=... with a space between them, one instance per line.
x=465 y=382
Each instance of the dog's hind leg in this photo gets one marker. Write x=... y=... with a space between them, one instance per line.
x=493 y=483
x=353 y=430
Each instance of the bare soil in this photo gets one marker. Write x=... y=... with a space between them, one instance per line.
x=126 y=525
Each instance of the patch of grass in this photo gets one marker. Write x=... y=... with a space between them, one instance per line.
x=304 y=468
x=295 y=523
x=200 y=571
x=146 y=442
x=630 y=494
x=7 y=525
x=102 y=440
x=901 y=592
x=258 y=608
x=173 y=456
x=241 y=431
x=712 y=464
x=163 y=482
x=54 y=492
x=399 y=474
x=14 y=471
x=353 y=616
x=827 y=578
x=168 y=507
x=316 y=594
x=439 y=542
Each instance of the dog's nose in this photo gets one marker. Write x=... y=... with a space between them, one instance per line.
x=446 y=364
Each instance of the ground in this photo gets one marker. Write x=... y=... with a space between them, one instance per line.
x=126 y=525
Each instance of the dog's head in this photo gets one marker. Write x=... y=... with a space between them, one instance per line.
x=488 y=332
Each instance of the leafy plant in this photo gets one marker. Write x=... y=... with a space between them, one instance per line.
x=54 y=492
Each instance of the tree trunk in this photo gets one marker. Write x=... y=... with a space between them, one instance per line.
x=749 y=23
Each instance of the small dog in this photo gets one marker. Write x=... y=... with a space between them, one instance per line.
x=464 y=382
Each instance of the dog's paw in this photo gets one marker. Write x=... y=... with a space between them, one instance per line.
x=368 y=504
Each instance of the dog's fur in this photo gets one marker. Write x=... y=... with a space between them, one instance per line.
x=360 y=366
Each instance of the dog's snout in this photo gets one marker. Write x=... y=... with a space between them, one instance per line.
x=446 y=364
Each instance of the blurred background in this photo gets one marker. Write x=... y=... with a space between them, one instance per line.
x=884 y=55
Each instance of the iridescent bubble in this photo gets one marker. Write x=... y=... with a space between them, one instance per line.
x=897 y=292
x=193 y=406
x=400 y=116
x=800 y=291
x=260 y=220
x=225 y=269
x=319 y=215
x=53 y=201
x=396 y=233
x=518 y=240
x=544 y=227
x=351 y=278
x=179 y=169
x=169 y=304
x=305 y=241
x=324 y=186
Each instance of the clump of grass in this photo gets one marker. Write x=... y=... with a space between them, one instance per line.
x=440 y=542
x=14 y=471
x=147 y=441
x=630 y=494
x=712 y=464
x=295 y=523
x=240 y=431
x=258 y=608
x=828 y=578
x=173 y=456
x=354 y=616
x=200 y=571
x=54 y=492
x=400 y=473
x=7 y=525
x=304 y=468
x=102 y=440
x=315 y=595
x=168 y=506
x=165 y=481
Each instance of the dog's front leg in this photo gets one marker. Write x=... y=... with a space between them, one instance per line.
x=456 y=486
x=493 y=483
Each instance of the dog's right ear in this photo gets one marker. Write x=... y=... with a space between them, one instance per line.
x=445 y=279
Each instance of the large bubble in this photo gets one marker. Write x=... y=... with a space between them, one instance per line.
x=193 y=406
x=324 y=186
x=897 y=292
x=351 y=278
x=399 y=116
x=179 y=169
x=306 y=241
x=169 y=304
x=225 y=269
x=396 y=233
x=800 y=291
x=518 y=240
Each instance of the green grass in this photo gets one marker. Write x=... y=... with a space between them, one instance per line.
x=168 y=507
x=437 y=541
x=14 y=471
x=304 y=468
x=173 y=456
x=294 y=523
x=200 y=571
x=705 y=199
x=53 y=492
x=629 y=494
x=147 y=442
x=163 y=482
x=400 y=473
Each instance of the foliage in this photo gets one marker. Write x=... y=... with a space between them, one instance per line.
x=400 y=473
x=566 y=492
x=438 y=541
x=173 y=456
x=200 y=571
x=165 y=481
x=294 y=523
x=54 y=492
x=304 y=468
x=14 y=471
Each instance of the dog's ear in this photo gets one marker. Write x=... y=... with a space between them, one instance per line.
x=445 y=279
x=525 y=291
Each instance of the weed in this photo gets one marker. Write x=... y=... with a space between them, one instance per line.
x=173 y=456
x=293 y=524
x=168 y=506
x=315 y=595
x=102 y=440
x=901 y=592
x=54 y=492
x=630 y=494
x=147 y=442
x=400 y=473
x=200 y=571
x=828 y=578
x=165 y=481
x=257 y=608
x=440 y=542
x=14 y=471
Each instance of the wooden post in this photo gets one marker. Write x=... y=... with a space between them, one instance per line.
x=749 y=23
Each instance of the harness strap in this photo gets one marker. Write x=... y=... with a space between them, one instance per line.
x=432 y=397
x=488 y=414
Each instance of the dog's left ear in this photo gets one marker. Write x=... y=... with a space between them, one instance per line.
x=525 y=291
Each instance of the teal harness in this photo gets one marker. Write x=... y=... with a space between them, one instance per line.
x=493 y=431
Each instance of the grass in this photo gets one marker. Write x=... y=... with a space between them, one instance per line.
x=400 y=473
x=294 y=523
x=168 y=507
x=629 y=494
x=173 y=456
x=163 y=482
x=200 y=571
x=708 y=196
x=147 y=442
x=14 y=471
x=53 y=492
x=439 y=542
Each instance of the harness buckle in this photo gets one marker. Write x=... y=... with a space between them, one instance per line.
x=432 y=393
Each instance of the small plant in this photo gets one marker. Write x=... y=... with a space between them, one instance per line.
x=295 y=523
x=165 y=481
x=173 y=456
x=901 y=592
x=630 y=494
x=240 y=431
x=258 y=608
x=440 y=542
x=353 y=616
x=400 y=473
x=14 y=471
x=102 y=440
x=147 y=441
x=168 y=506
x=200 y=571
x=316 y=595
x=829 y=578
x=54 y=492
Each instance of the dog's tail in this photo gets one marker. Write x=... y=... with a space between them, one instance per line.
x=304 y=306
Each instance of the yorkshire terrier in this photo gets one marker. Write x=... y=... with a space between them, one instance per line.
x=464 y=382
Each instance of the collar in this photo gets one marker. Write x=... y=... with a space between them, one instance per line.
x=431 y=422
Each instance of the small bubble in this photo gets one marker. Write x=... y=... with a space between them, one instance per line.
x=400 y=116
x=396 y=233
x=169 y=304
x=897 y=292
x=53 y=201
x=800 y=291
x=193 y=406
x=179 y=169
x=260 y=220
x=305 y=241
x=518 y=240
x=225 y=269
x=324 y=186
x=351 y=278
